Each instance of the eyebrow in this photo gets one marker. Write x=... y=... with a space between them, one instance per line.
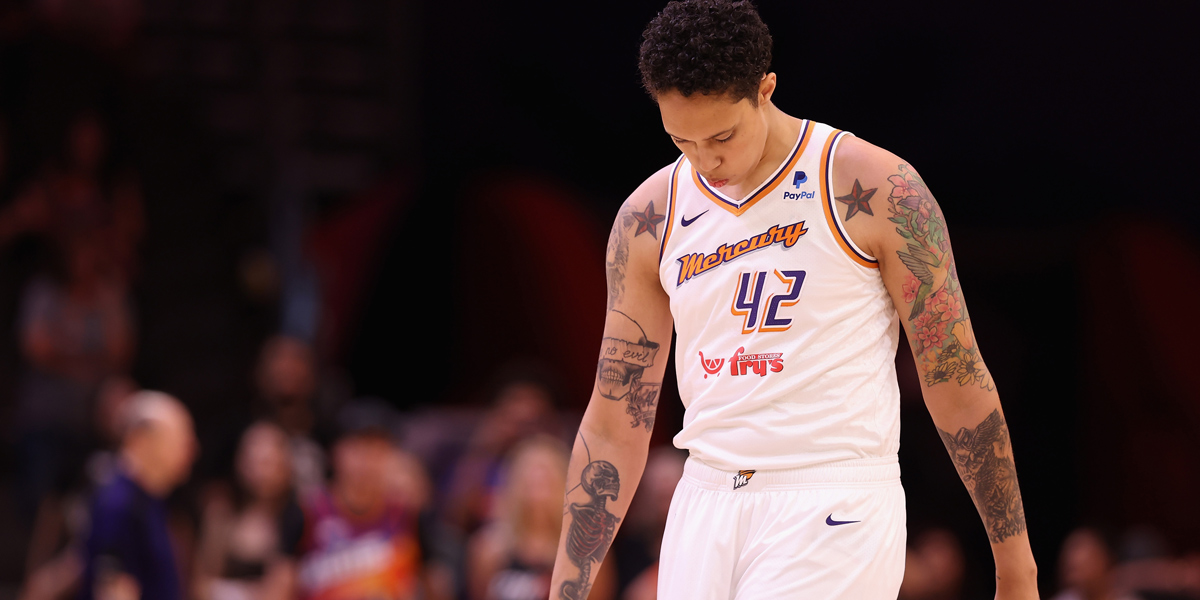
x=709 y=137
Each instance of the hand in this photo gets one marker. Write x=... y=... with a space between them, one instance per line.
x=119 y=586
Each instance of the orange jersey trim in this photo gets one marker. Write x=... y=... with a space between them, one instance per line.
x=827 y=204
x=738 y=209
x=670 y=207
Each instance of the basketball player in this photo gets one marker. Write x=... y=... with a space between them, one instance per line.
x=784 y=252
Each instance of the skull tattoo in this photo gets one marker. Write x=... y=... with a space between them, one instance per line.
x=622 y=361
x=592 y=525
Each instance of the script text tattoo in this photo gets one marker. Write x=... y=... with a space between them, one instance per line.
x=625 y=355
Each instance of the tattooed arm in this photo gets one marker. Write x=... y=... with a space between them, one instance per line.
x=611 y=447
x=890 y=213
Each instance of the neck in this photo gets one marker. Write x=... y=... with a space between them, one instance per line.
x=143 y=474
x=358 y=504
x=782 y=131
x=1098 y=591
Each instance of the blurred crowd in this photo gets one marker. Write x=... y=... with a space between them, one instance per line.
x=332 y=507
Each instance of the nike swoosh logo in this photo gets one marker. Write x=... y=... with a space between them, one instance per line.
x=829 y=521
x=686 y=221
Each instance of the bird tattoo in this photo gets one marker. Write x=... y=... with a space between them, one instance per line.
x=930 y=270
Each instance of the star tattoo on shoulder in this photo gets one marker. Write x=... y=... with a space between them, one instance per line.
x=648 y=221
x=858 y=200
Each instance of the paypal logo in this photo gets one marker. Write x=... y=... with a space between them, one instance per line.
x=799 y=178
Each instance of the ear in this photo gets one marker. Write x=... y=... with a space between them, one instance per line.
x=765 y=88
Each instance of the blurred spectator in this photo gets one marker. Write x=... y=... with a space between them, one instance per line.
x=241 y=552
x=60 y=528
x=1086 y=568
x=75 y=323
x=129 y=553
x=511 y=558
x=111 y=403
x=522 y=408
x=287 y=383
x=408 y=485
x=76 y=329
x=934 y=567
x=83 y=197
x=1148 y=567
x=637 y=545
x=357 y=542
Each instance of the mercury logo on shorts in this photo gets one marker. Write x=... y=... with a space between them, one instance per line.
x=742 y=478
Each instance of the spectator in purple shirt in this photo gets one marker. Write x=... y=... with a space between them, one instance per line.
x=128 y=554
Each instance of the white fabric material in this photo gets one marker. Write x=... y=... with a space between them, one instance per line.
x=771 y=537
x=822 y=388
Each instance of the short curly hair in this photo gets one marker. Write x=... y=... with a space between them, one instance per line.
x=706 y=46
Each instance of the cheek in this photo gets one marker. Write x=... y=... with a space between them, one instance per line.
x=748 y=151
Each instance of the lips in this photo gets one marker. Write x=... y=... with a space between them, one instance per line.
x=717 y=182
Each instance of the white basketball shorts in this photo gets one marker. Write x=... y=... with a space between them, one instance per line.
x=828 y=532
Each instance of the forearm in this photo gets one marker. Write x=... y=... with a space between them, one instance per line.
x=976 y=436
x=606 y=466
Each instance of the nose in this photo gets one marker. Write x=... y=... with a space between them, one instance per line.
x=707 y=160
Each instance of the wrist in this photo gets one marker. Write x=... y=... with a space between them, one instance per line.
x=1016 y=568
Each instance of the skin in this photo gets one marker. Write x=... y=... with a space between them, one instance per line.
x=264 y=471
x=736 y=145
x=360 y=474
x=159 y=454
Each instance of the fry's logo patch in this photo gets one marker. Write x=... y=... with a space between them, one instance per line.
x=691 y=265
x=741 y=364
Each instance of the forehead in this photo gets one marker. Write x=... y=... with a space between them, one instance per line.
x=699 y=117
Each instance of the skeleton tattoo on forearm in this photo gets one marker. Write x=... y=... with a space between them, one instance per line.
x=592 y=525
x=624 y=358
x=983 y=457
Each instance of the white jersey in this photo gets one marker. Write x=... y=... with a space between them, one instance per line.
x=785 y=334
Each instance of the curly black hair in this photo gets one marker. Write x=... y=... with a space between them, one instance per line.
x=706 y=46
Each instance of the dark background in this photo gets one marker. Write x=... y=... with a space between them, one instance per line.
x=484 y=148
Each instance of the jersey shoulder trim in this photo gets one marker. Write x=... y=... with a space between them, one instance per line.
x=835 y=222
x=672 y=191
x=737 y=208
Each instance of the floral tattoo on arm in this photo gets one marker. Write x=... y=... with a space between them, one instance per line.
x=943 y=340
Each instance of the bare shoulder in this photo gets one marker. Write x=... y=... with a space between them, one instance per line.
x=858 y=159
x=862 y=183
x=633 y=244
x=653 y=191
